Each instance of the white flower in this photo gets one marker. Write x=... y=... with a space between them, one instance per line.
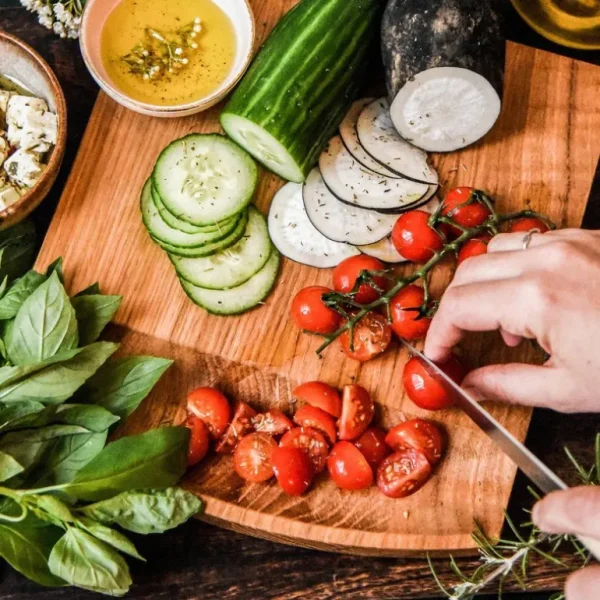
x=77 y=21
x=28 y=4
x=46 y=21
x=59 y=11
x=58 y=28
x=45 y=11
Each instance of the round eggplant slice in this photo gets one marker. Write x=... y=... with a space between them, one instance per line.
x=379 y=137
x=296 y=237
x=421 y=203
x=354 y=184
x=340 y=221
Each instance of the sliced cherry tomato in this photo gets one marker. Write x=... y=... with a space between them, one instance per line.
x=417 y=434
x=403 y=473
x=372 y=445
x=357 y=412
x=347 y=272
x=464 y=206
x=310 y=313
x=321 y=395
x=293 y=469
x=311 y=441
x=406 y=323
x=528 y=224
x=273 y=421
x=414 y=239
x=199 y=440
x=212 y=407
x=252 y=457
x=311 y=416
x=371 y=336
x=474 y=247
x=348 y=467
x=427 y=390
x=240 y=426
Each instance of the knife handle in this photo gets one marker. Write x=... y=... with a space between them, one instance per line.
x=592 y=545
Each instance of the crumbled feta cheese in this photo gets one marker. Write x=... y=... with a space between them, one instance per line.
x=18 y=110
x=8 y=195
x=4 y=96
x=39 y=131
x=3 y=149
x=23 y=168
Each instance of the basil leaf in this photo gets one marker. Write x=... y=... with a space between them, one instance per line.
x=18 y=292
x=3 y=286
x=121 y=384
x=146 y=511
x=9 y=466
x=52 y=506
x=94 y=312
x=90 y=290
x=56 y=379
x=18 y=245
x=27 y=549
x=56 y=267
x=44 y=326
x=82 y=560
x=13 y=412
x=110 y=536
x=156 y=458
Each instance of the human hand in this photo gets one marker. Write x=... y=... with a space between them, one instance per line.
x=549 y=292
x=575 y=511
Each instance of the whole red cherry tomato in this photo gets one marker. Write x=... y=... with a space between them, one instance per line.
x=293 y=469
x=348 y=468
x=417 y=434
x=371 y=336
x=310 y=313
x=347 y=272
x=474 y=247
x=321 y=395
x=212 y=407
x=528 y=224
x=372 y=445
x=403 y=473
x=464 y=206
x=357 y=412
x=406 y=323
x=199 y=440
x=414 y=239
x=252 y=457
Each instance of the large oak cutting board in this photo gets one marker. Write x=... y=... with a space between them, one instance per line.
x=542 y=153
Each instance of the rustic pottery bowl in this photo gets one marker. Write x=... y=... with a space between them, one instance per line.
x=21 y=62
x=94 y=17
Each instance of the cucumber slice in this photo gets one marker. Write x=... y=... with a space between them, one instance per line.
x=238 y=299
x=204 y=178
x=210 y=248
x=176 y=223
x=232 y=266
x=166 y=234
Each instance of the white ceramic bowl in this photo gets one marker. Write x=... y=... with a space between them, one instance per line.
x=94 y=17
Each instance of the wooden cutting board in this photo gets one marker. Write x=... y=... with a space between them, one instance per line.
x=542 y=153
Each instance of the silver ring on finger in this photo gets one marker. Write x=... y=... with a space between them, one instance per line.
x=527 y=237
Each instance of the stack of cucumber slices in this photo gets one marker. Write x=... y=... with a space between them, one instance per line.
x=366 y=177
x=196 y=206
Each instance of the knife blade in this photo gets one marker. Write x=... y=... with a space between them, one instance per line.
x=536 y=470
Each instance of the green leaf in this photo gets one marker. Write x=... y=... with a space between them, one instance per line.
x=54 y=507
x=13 y=412
x=3 y=286
x=18 y=292
x=146 y=511
x=94 y=312
x=56 y=379
x=93 y=289
x=9 y=466
x=27 y=550
x=156 y=458
x=121 y=384
x=18 y=246
x=110 y=536
x=56 y=267
x=82 y=560
x=44 y=326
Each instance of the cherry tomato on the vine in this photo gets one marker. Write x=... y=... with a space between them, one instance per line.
x=212 y=407
x=347 y=272
x=425 y=388
x=403 y=473
x=474 y=247
x=463 y=206
x=409 y=324
x=240 y=426
x=199 y=440
x=292 y=468
x=357 y=412
x=273 y=421
x=321 y=395
x=252 y=457
x=310 y=313
x=311 y=416
x=310 y=441
x=372 y=445
x=413 y=237
x=371 y=336
x=417 y=434
x=528 y=224
x=348 y=467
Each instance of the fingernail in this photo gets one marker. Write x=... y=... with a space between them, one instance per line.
x=474 y=393
x=536 y=514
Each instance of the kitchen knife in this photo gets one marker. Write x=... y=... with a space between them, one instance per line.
x=539 y=473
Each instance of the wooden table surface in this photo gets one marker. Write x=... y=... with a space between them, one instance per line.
x=200 y=561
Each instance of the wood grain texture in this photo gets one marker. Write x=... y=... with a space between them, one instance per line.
x=541 y=153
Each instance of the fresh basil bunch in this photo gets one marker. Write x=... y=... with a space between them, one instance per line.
x=62 y=488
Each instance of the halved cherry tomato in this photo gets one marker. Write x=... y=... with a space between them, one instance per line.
x=403 y=473
x=273 y=421
x=427 y=390
x=293 y=469
x=199 y=440
x=310 y=313
x=414 y=239
x=474 y=247
x=212 y=407
x=311 y=441
x=528 y=224
x=371 y=336
x=311 y=416
x=372 y=445
x=252 y=457
x=348 y=467
x=240 y=426
x=463 y=205
x=321 y=395
x=347 y=272
x=357 y=412
x=406 y=323
x=417 y=434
